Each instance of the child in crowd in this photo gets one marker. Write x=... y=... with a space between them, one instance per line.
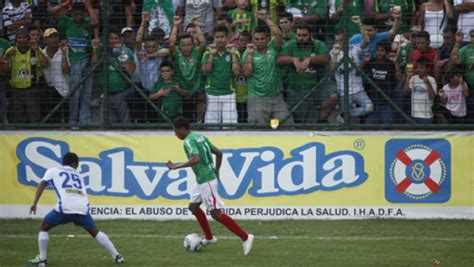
x=423 y=91
x=453 y=97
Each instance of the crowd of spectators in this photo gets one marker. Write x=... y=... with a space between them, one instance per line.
x=237 y=61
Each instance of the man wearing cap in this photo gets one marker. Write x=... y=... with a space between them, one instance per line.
x=24 y=64
x=56 y=74
x=112 y=80
x=78 y=31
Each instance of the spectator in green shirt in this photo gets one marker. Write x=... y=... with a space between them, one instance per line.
x=285 y=21
x=170 y=91
x=118 y=88
x=220 y=63
x=78 y=31
x=307 y=58
x=187 y=52
x=265 y=100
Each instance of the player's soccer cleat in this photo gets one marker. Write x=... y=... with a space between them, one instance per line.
x=247 y=244
x=37 y=261
x=119 y=259
x=206 y=242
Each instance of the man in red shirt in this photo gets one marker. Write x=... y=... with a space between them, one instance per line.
x=423 y=49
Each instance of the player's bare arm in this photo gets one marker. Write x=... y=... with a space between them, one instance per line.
x=216 y=151
x=39 y=192
x=194 y=160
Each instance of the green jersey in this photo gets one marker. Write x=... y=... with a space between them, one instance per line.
x=354 y=8
x=188 y=70
x=307 y=79
x=408 y=8
x=78 y=37
x=235 y=14
x=171 y=104
x=466 y=56
x=219 y=81
x=116 y=82
x=197 y=144
x=265 y=79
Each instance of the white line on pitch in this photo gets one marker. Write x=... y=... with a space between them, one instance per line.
x=350 y=238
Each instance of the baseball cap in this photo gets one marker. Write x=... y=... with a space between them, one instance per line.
x=126 y=29
x=49 y=32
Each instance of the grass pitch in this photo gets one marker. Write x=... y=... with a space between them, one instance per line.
x=376 y=242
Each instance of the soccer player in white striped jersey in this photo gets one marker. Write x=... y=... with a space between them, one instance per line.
x=72 y=206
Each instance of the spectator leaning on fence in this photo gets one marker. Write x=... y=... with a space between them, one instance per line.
x=187 y=60
x=384 y=71
x=357 y=93
x=78 y=31
x=57 y=73
x=307 y=58
x=25 y=61
x=264 y=82
x=121 y=60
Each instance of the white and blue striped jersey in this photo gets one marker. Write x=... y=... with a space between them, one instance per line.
x=70 y=190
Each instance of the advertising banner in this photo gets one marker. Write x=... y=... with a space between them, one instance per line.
x=264 y=175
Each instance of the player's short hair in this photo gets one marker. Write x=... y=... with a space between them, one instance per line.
x=181 y=122
x=422 y=61
x=151 y=38
x=221 y=29
x=226 y=18
x=70 y=158
x=246 y=34
x=449 y=29
x=158 y=33
x=34 y=28
x=114 y=30
x=423 y=34
x=166 y=64
x=387 y=46
x=371 y=22
x=304 y=27
x=287 y=15
x=185 y=35
x=262 y=28
x=455 y=70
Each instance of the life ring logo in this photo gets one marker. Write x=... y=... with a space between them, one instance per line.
x=417 y=170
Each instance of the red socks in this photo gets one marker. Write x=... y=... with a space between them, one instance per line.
x=232 y=226
x=201 y=217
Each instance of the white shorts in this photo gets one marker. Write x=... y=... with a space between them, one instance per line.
x=207 y=193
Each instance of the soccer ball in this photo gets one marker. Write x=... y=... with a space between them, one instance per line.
x=192 y=243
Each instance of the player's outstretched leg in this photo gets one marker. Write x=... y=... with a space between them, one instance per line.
x=228 y=222
x=203 y=223
x=43 y=239
x=104 y=240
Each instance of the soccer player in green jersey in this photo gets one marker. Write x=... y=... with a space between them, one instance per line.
x=199 y=151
